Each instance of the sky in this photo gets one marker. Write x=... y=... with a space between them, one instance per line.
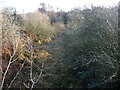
x=32 y=5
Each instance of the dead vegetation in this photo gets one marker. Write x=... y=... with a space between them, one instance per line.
x=17 y=54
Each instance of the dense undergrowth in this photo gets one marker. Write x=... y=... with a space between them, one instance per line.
x=75 y=49
x=89 y=50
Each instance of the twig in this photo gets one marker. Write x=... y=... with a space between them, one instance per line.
x=6 y=71
x=16 y=75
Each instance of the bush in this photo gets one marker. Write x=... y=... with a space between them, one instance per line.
x=89 y=47
x=39 y=24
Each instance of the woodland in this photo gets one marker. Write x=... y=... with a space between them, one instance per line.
x=58 y=49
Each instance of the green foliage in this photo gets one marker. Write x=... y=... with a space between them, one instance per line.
x=40 y=24
x=83 y=53
x=89 y=54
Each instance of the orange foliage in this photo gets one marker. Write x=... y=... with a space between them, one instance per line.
x=6 y=52
x=5 y=60
x=48 y=40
